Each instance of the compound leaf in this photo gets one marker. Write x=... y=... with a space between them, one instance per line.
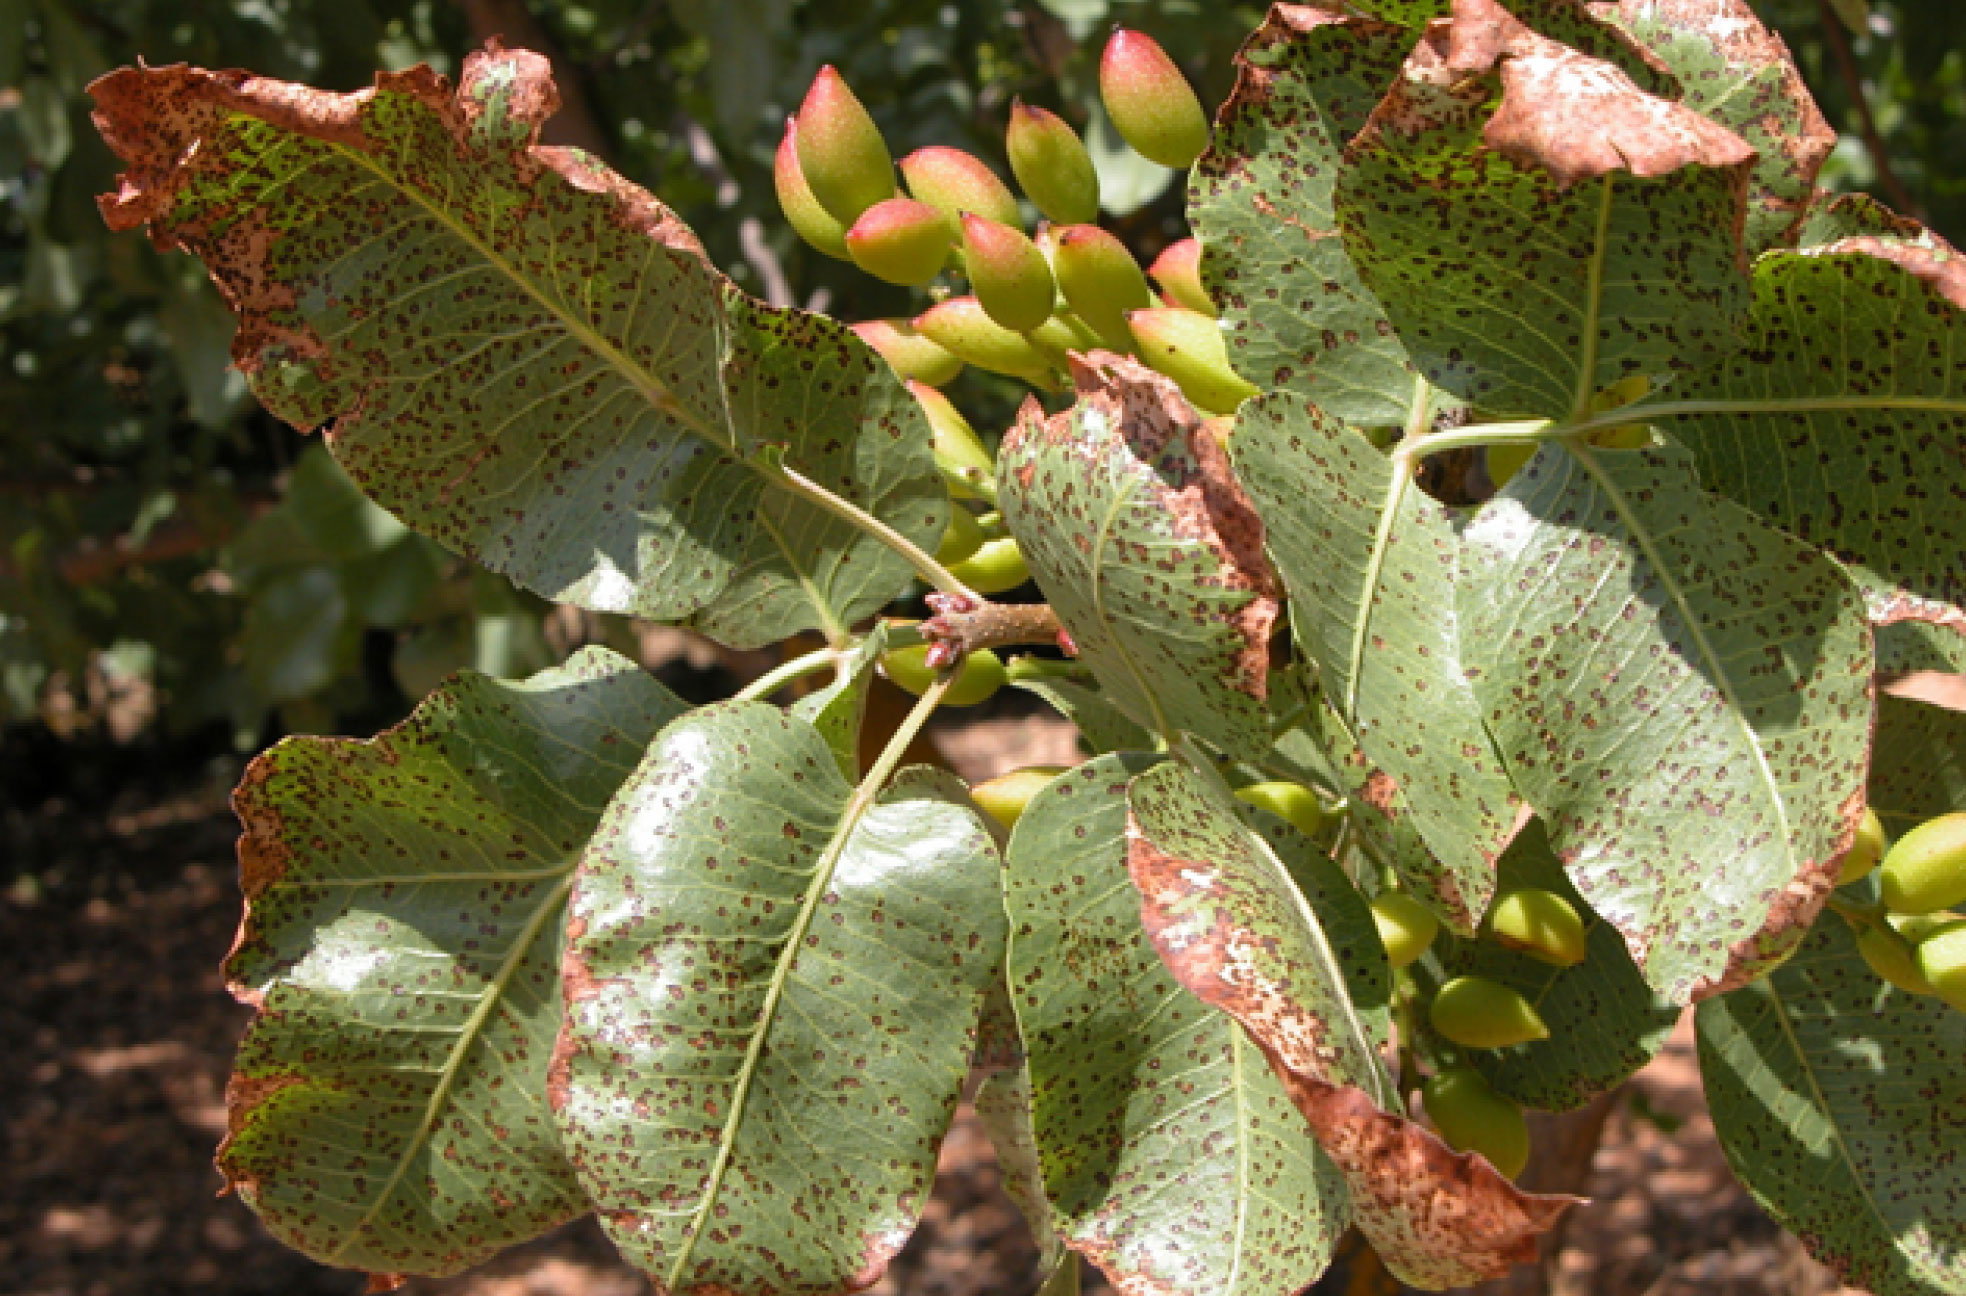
x=404 y=905
x=773 y=987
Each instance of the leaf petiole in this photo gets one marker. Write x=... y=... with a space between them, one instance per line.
x=921 y=560
x=785 y=672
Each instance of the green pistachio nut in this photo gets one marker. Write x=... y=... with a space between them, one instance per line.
x=1925 y=870
x=1101 y=281
x=1293 y=803
x=808 y=219
x=959 y=455
x=901 y=241
x=965 y=329
x=1060 y=336
x=1506 y=459
x=841 y=152
x=907 y=352
x=1916 y=927
x=1178 y=272
x=1541 y=924
x=1187 y=346
x=954 y=183
x=996 y=566
x=1004 y=797
x=1152 y=105
x=1008 y=274
x=1406 y=927
x=1893 y=958
x=963 y=538
x=1475 y=1012
x=1942 y=962
x=977 y=679
x=1051 y=165
x=1472 y=1117
x=1866 y=848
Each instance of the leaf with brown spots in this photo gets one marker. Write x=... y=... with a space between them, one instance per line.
x=1841 y=1104
x=1539 y=227
x=1135 y=528
x=1843 y=417
x=1372 y=571
x=521 y=354
x=1233 y=928
x=404 y=904
x=1171 y=1155
x=1682 y=692
x=1919 y=769
x=773 y=987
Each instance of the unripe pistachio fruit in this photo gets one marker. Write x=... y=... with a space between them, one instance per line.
x=1406 y=927
x=965 y=329
x=1293 y=803
x=1942 y=962
x=1478 y=1013
x=963 y=538
x=1926 y=869
x=808 y=218
x=1472 y=1117
x=1865 y=849
x=1916 y=927
x=978 y=678
x=1541 y=924
x=901 y=241
x=1051 y=165
x=954 y=182
x=996 y=566
x=1891 y=956
x=1187 y=346
x=1506 y=459
x=907 y=352
x=1100 y=280
x=959 y=455
x=1060 y=335
x=1152 y=105
x=1178 y=272
x=841 y=152
x=1004 y=797
x=1008 y=274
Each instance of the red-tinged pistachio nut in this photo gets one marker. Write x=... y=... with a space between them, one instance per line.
x=1101 y=281
x=1004 y=797
x=966 y=467
x=965 y=329
x=1942 y=962
x=907 y=352
x=1475 y=1012
x=1188 y=347
x=1865 y=849
x=954 y=183
x=841 y=152
x=1051 y=165
x=1892 y=957
x=1178 y=272
x=996 y=566
x=901 y=241
x=1472 y=1117
x=1406 y=927
x=1926 y=869
x=808 y=218
x=978 y=678
x=1152 y=105
x=1008 y=273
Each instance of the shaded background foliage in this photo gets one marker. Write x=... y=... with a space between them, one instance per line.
x=175 y=561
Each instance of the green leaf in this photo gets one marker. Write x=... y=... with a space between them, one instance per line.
x=1172 y=1155
x=296 y=637
x=1004 y=1108
x=404 y=906
x=838 y=709
x=1132 y=523
x=1605 y=1023
x=1682 y=693
x=1102 y=726
x=524 y=356
x=1234 y=929
x=1295 y=315
x=773 y=987
x=1838 y=1101
x=1539 y=232
x=1918 y=763
x=1841 y=417
x=1736 y=72
x=1372 y=565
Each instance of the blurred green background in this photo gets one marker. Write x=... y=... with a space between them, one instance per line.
x=179 y=571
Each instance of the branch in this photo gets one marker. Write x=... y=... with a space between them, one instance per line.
x=963 y=625
x=1853 y=84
